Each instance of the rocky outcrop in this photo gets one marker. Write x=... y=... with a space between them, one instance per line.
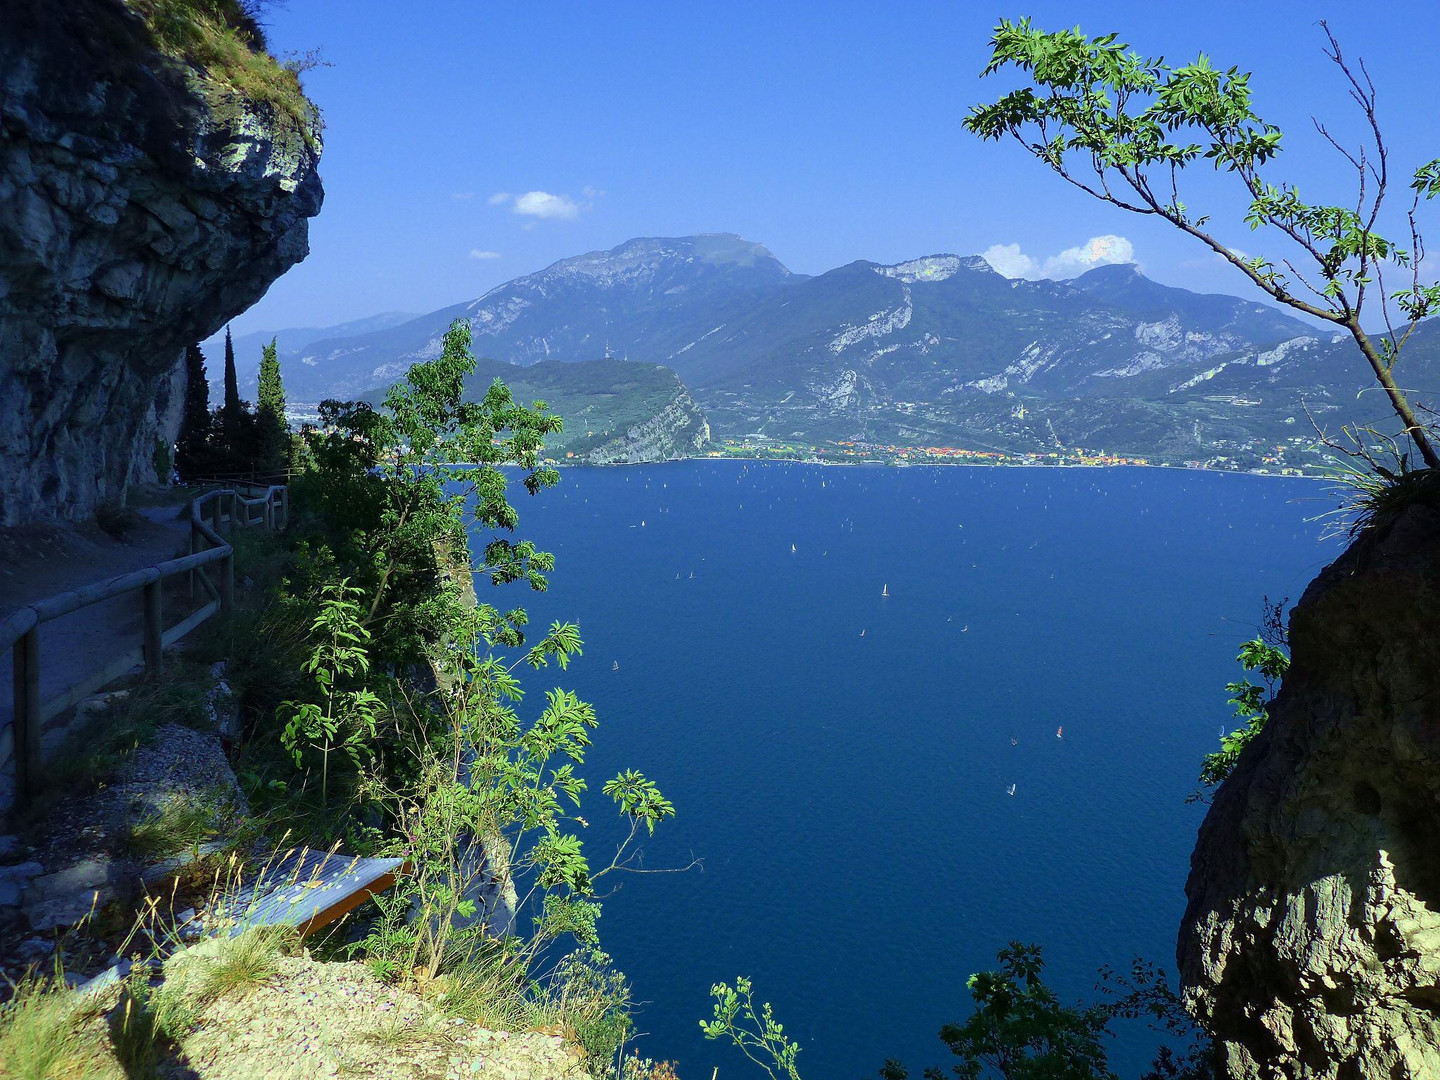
x=142 y=204
x=677 y=430
x=1310 y=946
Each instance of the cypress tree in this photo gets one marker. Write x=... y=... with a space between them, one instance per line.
x=195 y=420
x=236 y=452
x=233 y=408
x=273 y=431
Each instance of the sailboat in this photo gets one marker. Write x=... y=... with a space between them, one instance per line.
x=1014 y=741
x=862 y=633
x=1060 y=732
x=616 y=666
x=692 y=573
x=884 y=590
x=1010 y=790
x=792 y=549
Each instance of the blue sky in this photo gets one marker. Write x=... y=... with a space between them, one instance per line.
x=829 y=132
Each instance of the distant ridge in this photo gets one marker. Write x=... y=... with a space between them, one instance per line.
x=936 y=350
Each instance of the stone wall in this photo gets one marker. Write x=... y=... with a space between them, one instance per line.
x=142 y=205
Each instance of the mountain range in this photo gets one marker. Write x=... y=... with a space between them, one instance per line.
x=939 y=350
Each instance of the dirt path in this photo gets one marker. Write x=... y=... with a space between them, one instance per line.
x=39 y=561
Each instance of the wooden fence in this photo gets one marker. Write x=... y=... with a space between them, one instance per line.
x=210 y=554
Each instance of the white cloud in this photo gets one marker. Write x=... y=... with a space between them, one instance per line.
x=498 y=198
x=476 y=253
x=543 y=205
x=461 y=196
x=1097 y=251
x=1009 y=260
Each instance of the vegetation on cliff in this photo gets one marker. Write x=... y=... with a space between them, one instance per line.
x=414 y=681
x=225 y=40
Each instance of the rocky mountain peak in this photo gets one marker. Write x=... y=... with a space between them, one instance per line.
x=647 y=256
x=933 y=268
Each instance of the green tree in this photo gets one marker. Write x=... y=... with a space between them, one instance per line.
x=1125 y=128
x=345 y=713
x=391 y=501
x=232 y=401
x=233 y=438
x=192 y=446
x=1019 y=1028
x=397 y=492
x=272 y=430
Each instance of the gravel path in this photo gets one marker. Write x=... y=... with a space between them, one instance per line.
x=38 y=562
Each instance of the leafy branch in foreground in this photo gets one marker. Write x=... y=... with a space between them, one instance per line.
x=1018 y=1030
x=1124 y=128
x=1266 y=653
x=757 y=1033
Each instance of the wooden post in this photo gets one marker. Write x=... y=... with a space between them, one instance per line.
x=154 y=627
x=269 y=512
x=215 y=512
x=227 y=583
x=190 y=550
x=25 y=730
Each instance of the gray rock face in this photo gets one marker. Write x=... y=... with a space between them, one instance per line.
x=1310 y=945
x=141 y=206
x=678 y=430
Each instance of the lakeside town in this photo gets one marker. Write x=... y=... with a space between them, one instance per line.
x=1280 y=459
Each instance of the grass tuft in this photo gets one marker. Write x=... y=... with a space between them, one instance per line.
x=178 y=827
x=224 y=40
x=46 y=1034
x=216 y=968
x=1374 y=497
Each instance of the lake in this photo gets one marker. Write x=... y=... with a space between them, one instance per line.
x=840 y=759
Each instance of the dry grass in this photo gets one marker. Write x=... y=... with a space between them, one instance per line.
x=222 y=39
x=488 y=991
x=219 y=967
x=47 y=1032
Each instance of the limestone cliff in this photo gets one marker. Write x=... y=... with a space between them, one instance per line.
x=143 y=202
x=678 y=430
x=1310 y=945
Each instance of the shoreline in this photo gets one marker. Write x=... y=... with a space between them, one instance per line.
x=562 y=464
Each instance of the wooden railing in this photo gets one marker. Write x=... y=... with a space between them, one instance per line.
x=20 y=632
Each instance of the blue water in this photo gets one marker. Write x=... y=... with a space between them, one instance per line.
x=847 y=792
